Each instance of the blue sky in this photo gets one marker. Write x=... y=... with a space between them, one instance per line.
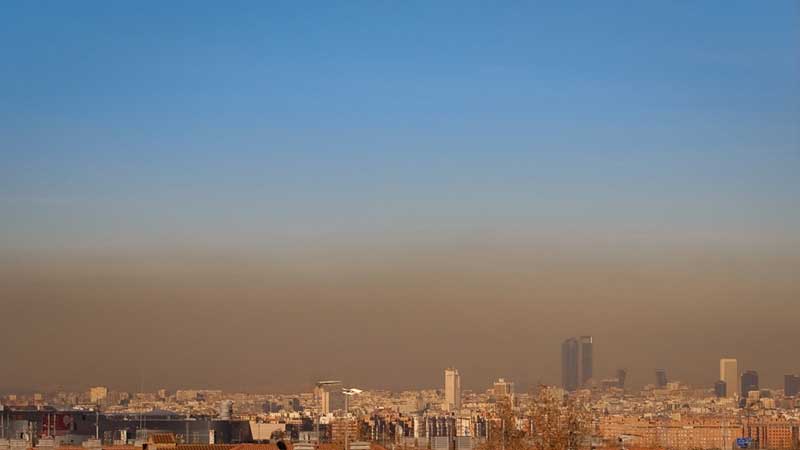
x=247 y=122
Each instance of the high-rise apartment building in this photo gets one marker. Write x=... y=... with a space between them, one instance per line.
x=98 y=394
x=503 y=389
x=452 y=389
x=329 y=396
x=791 y=385
x=749 y=382
x=576 y=362
x=729 y=373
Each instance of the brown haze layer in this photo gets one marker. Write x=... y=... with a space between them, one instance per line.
x=393 y=318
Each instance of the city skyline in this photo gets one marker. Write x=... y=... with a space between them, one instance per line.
x=261 y=195
x=424 y=419
x=328 y=391
x=330 y=397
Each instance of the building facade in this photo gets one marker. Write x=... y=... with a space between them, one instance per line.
x=452 y=389
x=503 y=389
x=749 y=382
x=720 y=389
x=98 y=394
x=791 y=385
x=577 y=362
x=661 y=378
x=729 y=373
x=329 y=396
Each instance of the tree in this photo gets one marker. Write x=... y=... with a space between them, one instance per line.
x=558 y=423
x=503 y=431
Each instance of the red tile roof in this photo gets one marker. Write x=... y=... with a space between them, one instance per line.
x=261 y=446
x=206 y=446
x=161 y=438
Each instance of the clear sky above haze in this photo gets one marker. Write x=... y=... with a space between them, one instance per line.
x=279 y=114
x=322 y=131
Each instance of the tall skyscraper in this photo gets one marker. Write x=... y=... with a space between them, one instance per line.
x=452 y=389
x=661 y=378
x=621 y=375
x=329 y=395
x=729 y=373
x=586 y=367
x=791 y=385
x=749 y=382
x=576 y=362
x=569 y=364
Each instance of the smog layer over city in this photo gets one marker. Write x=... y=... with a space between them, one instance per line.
x=400 y=225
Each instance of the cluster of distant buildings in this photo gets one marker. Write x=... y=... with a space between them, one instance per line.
x=736 y=413
x=577 y=371
x=746 y=385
